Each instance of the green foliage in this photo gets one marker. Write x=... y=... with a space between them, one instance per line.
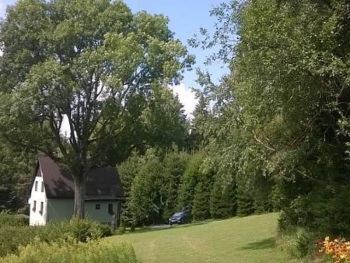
x=174 y=163
x=299 y=243
x=164 y=120
x=11 y=237
x=281 y=117
x=152 y=182
x=128 y=171
x=90 y=252
x=201 y=209
x=199 y=129
x=323 y=211
x=7 y=219
x=222 y=199
x=146 y=198
x=75 y=229
x=15 y=168
x=263 y=194
x=14 y=232
x=290 y=114
x=99 y=70
x=189 y=181
x=216 y=200
x=245 y=197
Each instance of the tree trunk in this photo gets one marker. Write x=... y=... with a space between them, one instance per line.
x=79 y=196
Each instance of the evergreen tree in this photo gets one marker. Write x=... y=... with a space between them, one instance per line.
x=189 y=181
x=200 y=123
x=222 y=200
x=201 y=209
x=146 y=202
x=174 y=167
x=128 y=170
x=216 y=199
x=245 y=197
x=228 y=200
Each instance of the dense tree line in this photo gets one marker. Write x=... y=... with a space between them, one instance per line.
x=159 y=183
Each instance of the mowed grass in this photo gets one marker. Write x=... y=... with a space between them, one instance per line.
x=246 y=239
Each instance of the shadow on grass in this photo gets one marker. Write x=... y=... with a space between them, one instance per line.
x=263 y=244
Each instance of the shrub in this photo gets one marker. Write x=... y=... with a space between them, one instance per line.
x=324 y=210
x=78 y=252
x=299 y=243
x=7 y=219
x=11 y=237
x=304 y=243
x=75 y=229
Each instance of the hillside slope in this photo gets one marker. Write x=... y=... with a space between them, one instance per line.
x=246 y=239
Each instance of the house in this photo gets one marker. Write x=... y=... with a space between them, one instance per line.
x=52 y=193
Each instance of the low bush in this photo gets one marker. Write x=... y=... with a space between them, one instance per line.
x=91 y=252
x=73 y=231
x=7 y=219
x=11 y=237
x=299 y=243
x=323 y=211
x=305 y=243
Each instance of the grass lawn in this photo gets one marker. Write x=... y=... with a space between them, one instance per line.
x=246 y=239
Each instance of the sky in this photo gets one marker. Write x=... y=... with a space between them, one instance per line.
x=185 y=19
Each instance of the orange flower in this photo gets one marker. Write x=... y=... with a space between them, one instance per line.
x=338 y=249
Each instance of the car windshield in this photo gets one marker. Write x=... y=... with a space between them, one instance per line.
x=178 y=214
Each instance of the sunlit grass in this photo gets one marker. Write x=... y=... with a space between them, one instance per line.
x=246 y=239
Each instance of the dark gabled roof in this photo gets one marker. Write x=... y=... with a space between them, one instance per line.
x=101 y=183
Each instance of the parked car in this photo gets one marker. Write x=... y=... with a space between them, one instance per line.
x=179 y=218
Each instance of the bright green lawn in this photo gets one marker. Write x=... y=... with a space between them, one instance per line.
x=247 y=239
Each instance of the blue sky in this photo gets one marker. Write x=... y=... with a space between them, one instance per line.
x=186 y=17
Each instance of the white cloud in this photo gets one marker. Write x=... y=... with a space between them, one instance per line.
x=186 y=97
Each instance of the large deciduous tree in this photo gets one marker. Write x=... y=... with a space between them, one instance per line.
x=289 y=120
x=82 y=61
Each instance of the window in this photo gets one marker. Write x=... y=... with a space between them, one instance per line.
x=36 y=186
x=110 y=209
x=98 y=206
x=42 y=186
x=34 y=206
x=41 y=208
